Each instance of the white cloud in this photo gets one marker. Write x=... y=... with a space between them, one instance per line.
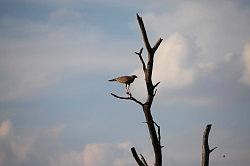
x=5 y=128
x=169 y=63
x=12 y=147
x=33 y=147
x=97 y=154
x=246 y=64
x=107 y=154
x=208 y=25
x=201 y=50
x=43 y=147
x=169 y=66
x=70 y=158
x=21 y=149
x=200 y=37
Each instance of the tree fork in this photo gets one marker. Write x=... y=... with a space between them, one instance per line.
x=151 y=91
x=205 y=147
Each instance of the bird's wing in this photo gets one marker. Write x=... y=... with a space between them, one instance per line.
x=123 y=79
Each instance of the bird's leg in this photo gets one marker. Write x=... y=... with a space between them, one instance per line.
x=129 y=93
x=126 y=88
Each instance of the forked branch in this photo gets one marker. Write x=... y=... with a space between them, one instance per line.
x=205 y=147
x=136 y=157
x=127 y=98
x=155 y=136
x=143 y=160
x=151 y=93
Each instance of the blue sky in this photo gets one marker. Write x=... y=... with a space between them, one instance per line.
x=55 y=60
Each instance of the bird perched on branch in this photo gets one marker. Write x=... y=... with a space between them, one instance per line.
x=127 y=80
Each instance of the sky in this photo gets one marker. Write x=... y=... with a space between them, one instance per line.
x=57 y=55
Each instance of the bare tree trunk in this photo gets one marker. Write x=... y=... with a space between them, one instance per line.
x=151 y=92
x=146 y=106
x=205 y=147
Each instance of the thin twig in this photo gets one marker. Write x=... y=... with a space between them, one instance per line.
x=127 y=98
x=212 y=149
x=143 y=160
x=159 y=132
x=155 y=92
x=157 y=84
x=142 y=61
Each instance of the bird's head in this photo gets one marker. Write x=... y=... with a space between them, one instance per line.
x=134 y=76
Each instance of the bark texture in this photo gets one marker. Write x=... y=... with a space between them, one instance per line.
x=205 y=147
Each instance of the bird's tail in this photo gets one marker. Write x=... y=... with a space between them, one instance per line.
x=112 y=80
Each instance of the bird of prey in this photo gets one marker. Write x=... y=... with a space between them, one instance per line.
x=127 y=80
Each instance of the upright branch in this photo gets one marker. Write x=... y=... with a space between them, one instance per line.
x=143 y=160
x=136 y=157
x=151 y=92
x=144 y=33
x=151 y=52
x=142 y=61
x=205 y=147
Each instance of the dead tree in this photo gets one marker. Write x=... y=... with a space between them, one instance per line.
x=155 y=136
x=205 y=147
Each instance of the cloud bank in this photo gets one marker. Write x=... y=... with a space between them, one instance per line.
x=43 y=149
x=202 y=49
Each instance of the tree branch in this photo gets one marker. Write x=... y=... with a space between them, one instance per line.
x=143 y=160
x=210 y=151
x=157 y=44
x=127 y=98
x=205 y=147
x=155 y=92
x=136 y=157
x=155 y=89
x=142 y=61
x=150 y=89
x=159 y=133
x=156 y=84
x=144 y=33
